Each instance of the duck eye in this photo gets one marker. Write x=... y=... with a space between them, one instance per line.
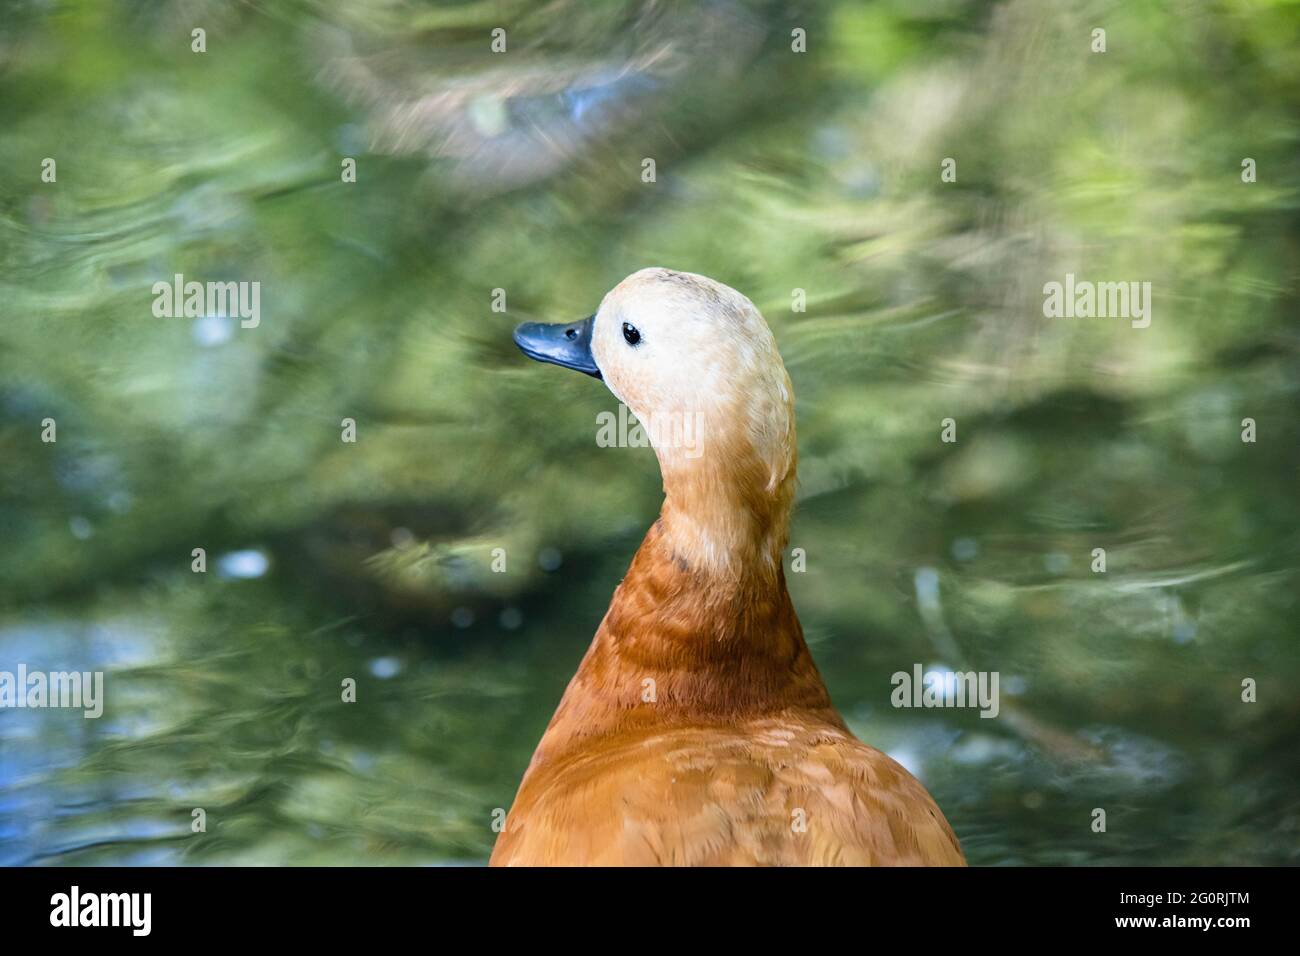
x=630 y=334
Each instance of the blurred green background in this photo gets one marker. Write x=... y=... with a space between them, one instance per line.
x=522 y=171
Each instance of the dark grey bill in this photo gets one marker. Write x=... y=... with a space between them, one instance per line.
x=567 y=344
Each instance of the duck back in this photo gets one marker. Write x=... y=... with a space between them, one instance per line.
x=698 y=731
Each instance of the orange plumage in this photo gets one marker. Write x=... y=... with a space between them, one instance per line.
x=697 y=730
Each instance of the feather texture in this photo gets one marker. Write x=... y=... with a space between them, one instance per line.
x=739 y=759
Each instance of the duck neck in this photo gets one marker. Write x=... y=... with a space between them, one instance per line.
x=702 y=627
x=728 y=532
x=726 y=518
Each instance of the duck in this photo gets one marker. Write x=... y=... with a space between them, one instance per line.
x=697 y=730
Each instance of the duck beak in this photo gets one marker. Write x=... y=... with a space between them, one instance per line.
x=567 y=344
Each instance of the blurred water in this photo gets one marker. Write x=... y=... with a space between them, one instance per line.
x=776 y=171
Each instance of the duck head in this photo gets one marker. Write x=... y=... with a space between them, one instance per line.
x=697 y=365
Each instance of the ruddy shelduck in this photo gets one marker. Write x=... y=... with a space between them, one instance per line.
x=697 y=730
